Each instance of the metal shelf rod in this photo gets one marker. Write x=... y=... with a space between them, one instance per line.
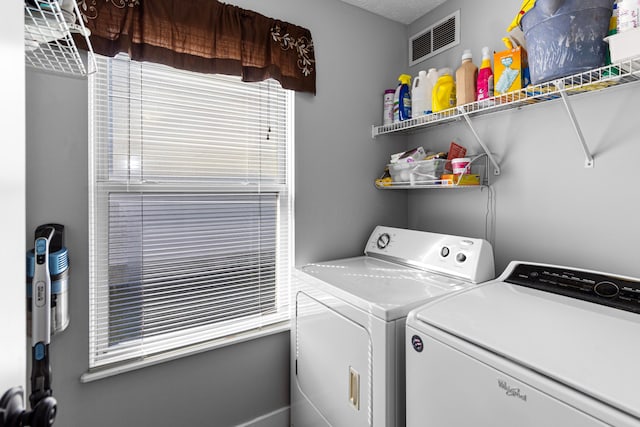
x=496 y=167
x=588 y=162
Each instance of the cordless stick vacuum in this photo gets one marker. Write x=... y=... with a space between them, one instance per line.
x=41 y=325
x=47 y=283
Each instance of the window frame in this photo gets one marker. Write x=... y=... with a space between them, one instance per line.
x=99 y=191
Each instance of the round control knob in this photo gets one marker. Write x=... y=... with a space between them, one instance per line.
x=606 y=289
x=461 y=257
x=383 y=240
x=444 y=252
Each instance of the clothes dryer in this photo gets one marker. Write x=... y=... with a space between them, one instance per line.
x=347 y=336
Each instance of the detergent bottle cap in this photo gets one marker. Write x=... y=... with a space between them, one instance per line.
x=422 y=73
x=444 y=71
x=404 y=79
x=485 y=53
x=467 y=54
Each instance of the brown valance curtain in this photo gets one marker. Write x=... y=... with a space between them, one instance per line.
x=205 y=36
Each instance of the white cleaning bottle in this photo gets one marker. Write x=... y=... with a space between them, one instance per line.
x=432 y=78
x=418 y=95
x=422 y=91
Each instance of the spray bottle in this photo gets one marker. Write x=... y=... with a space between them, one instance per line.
x=485 y=76
x=402 y=99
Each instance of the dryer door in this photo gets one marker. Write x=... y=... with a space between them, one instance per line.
x=332 y=365
x=448 y=387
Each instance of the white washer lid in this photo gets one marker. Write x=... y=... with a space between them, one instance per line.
x=592 y=348
x=385 y=289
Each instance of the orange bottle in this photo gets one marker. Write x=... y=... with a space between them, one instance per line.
x=466 y=80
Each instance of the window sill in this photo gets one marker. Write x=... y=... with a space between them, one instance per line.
x=100 y=373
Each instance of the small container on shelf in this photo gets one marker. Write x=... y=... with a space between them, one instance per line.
x=625 y=45
x=417 y=172
x=465 y=179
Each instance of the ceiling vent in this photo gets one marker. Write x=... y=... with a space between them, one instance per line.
x=441 y=36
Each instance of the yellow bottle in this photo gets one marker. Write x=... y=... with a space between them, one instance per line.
x=444 y=91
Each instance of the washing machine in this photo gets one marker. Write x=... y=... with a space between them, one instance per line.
x=541 y=345
x=347 y=335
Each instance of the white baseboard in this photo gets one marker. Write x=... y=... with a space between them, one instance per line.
x=277 y=418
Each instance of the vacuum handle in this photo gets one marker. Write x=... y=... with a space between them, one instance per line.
x=41 y=291
x=41 y=318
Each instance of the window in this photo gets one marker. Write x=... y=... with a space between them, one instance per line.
x=190 y=209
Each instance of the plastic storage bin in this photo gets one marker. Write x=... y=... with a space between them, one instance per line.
x=565 y=37
x=624 y=45
x=424 y=170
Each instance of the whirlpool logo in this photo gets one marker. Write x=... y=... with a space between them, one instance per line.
x=511 y=391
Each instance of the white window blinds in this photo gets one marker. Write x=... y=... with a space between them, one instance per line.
x=190 y=228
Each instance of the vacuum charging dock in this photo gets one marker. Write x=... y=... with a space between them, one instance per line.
x=59 y=272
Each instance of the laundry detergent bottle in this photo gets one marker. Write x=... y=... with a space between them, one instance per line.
x=466 y=80
x=402 y=99
x=444 y=91
x=421 y=92
x=418 y=95
x=485 y=77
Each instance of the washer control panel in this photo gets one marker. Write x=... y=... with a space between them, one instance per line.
x=601 y=289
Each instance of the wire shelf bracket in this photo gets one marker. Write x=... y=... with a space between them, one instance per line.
x=496 y=167
x=588 y=162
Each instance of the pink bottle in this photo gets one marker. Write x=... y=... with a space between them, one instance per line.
x=485 y=77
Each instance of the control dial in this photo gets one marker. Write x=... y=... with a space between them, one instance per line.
x=383 y=240
x=606 y=289
x=461 y=257
x=444 y=252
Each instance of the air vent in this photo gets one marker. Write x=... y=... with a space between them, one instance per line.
x=439 y=37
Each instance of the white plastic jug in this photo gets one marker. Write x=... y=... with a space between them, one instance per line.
x=421 y=92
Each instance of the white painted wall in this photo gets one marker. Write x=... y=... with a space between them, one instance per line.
x=12 y=191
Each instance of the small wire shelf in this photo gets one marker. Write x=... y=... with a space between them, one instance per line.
x=620 y=73
x=48 y=40
x=479 y=166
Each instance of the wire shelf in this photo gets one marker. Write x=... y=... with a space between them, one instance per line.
x=479 y=166
x=623 y=72
x=48 y=40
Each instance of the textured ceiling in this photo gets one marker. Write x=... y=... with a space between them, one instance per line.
x=404 y=11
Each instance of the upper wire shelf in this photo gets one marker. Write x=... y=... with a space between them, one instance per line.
x=620 y=73
x=48 y=40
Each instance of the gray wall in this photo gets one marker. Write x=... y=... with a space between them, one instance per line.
x=337 y=161
x=336 y=208
x=548 y=207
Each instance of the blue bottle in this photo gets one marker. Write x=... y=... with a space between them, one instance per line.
x=402 y=99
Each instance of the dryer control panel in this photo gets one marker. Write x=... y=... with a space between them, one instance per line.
x=462 y=257
x=600 y=288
